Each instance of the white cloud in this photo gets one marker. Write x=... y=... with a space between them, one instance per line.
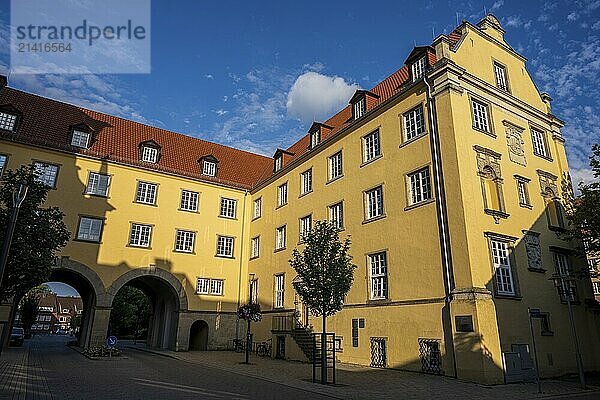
x=573 y=16
x=514 y=21
x=220 y=112
x=497 y=5
x=582 y=175
x=209 y=76
x=314 y=96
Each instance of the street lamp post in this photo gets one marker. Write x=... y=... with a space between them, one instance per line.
x=565 y=284
x=18 y=196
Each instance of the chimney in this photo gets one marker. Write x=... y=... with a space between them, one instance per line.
x=492 y=27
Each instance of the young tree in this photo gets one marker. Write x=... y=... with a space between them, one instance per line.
x=29 y=306
x=249 y=312
x=326 y=273
x=584 y=214
x=39 y=233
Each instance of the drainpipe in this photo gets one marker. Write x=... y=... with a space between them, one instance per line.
x=442 y=217
x=239 y=296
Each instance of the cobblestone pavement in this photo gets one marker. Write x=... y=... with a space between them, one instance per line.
x=46 y=369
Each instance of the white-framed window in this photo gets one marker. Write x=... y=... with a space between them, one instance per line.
x=255 y=247
x=149 y=154
x=539 y=143
x=371 y=146
x=306 y=182
x=184 y=241
x=89 y=229
x=253 y=297
x=414 y=123
x=596 y=286
x=359 y=108
x=80 y=139
x=280 y=237
x=418 y=68
x=282 y=194
x=189 y=201
x=336 y=215
x=379 y=275
x=3 y=159
x=305 y=226
x=210 y=286
x=502 y=267
x=98 y=184
x=46 y=173
x=419 y=186
x=225 y=246
x=228 y=207
x=523 y=192
x=278 y=163
x=480 y=116
x=279 y=291
x=563 y=269
x=374 y=202
x=146 y=193
x=257 y=209
x=7 y=121
x=315 y=138
x=140 y=235
x=500 y=73
x=335 y=165
x=209 y=168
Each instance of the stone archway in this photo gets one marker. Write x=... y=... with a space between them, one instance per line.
x=199 y=336
x=168 y=298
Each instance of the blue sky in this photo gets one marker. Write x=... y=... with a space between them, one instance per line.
x=254 y=75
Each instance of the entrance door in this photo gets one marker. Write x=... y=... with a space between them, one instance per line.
x=301 y=311
x=280 y=349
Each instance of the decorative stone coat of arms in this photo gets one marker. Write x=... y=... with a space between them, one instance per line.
x=515 y=142
x=533 y=249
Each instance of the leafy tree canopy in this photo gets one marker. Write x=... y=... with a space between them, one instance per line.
x=131 y=308
x=324 y=269
x=39 y=233
x=29 y=305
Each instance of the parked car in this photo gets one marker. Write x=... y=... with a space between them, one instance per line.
x=17 y=336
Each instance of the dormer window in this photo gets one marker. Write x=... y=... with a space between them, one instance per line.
x=315 y=138
x=8 y=121
x=418 y=68
x=149 y=154
x=278 y=163
x=209 y=165
x=359 y=108
x=80 y=139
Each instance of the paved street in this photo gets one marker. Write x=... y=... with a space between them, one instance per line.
x=46 y=369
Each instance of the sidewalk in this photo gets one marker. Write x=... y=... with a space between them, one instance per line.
x=356 y=382
x=21 y=374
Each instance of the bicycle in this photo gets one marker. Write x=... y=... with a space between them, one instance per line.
x=264 y=349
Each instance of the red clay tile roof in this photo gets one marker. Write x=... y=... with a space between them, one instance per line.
x=48 y=123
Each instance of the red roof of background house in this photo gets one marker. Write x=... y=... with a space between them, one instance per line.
x=48 y=123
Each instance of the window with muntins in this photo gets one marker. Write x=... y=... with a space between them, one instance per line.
x=315 y=138
x=279 y=291
x=414 y=123
x=418 y=68
x=360 y=108
x=306 y=182
x=379 y=276
x=480 y=116
x=80 y=139
x=189 y=201
x=596 y=286
x=98 y=184
x=257 y=208
x=500 y=73
x=280 y=238
x=255 y=247
x=140 y=235
x=539 y=143
x=3 y=160
x=89 y=229
x=228 y=208
x=374 y=202
x=209 y=168
x=282 y=194
x=225 y=246
x=278 y=163
x=523 y=193
x=216 y=287
x=502 y=268
x=210 y=286
x=146 y=193
x=419 y=186
x=305 y=226
x=46 y=173
x=371 y=146
x=7 y=121
x=561 y=263
x=335 y=165
x=149 y=154
x=336 y=215
x=184 y=241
